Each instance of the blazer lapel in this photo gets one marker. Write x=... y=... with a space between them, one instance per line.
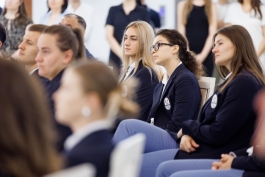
x=157 y=96
x=174 y=74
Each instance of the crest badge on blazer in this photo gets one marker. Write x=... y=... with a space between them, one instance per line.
x=167 y=103
x=214 y=101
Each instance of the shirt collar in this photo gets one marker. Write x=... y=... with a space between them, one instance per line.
x=31 y=72
x=79 y=135
x=228 y=76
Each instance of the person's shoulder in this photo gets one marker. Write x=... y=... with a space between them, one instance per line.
x=247 y=78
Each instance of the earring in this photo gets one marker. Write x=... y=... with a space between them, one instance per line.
x=86 y=111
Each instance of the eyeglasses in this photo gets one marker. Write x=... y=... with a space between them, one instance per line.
x=157 y=45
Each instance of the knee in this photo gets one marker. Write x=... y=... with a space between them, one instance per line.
x=162 y=170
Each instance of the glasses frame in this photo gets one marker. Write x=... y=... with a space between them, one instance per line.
x=157 y=45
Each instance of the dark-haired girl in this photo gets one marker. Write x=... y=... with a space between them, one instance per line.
x=226 y=121
x=251 y=15
x=176 y=99
x=15 y=20
x=56 y=11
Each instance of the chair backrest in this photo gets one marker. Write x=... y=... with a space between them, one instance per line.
x=83 y=170
x=126 y=158
x=207 y=85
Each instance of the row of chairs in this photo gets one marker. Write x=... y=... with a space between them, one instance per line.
x=127 y=156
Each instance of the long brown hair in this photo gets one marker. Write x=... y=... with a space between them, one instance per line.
x=245 y=56
x=22 y=14
x=145 y=39
x=255 y=5
x=68 y=39
x=26 y=139
x=187 y=57
x=97 y=77
x=189 y=6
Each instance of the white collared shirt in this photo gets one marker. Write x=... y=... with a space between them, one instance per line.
x=31 y=72
x=129 y=70
x=79 y=135
x=165 y=80
x=228 y=76
x=86 y=11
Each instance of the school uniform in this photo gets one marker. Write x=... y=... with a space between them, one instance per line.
x=144 y=91
x=34 y=73
x=176 y=101
x=62 y=131
x=179 y=101
x=91 y=144
x=226 y=123
x=243 y=165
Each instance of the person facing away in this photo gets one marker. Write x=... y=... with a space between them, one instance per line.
x=227 y=120
x=87 y=101
x=55 y=53
x=15 y=19
x=27 y=50
x=85 y=11
x=138 y=63
x=56 y=10
x=26 y=135
x=76 y=21
x=176 y=99
x=117 y=20
x=198 y=22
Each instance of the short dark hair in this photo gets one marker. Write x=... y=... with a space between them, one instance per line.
x=2 y=33
x=37 y=28
x=64 y=6
x=80 y=19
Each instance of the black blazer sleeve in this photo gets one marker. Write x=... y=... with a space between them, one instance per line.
x=248 y=163
x=187 y=103
x=144 y=92
x=231 y=116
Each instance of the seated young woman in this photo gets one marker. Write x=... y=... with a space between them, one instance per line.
x=138 y=63
x=226 y=121
x=87 y=100
x=55 y=53
x=176 y=99
x=26 y=134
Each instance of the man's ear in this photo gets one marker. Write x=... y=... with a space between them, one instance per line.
x=1 y=44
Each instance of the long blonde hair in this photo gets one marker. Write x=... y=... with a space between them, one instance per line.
x=145 y=38
x=189 y=6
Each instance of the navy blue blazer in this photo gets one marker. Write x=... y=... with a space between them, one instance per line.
x=225 y=124
x=144 y=92
x=252 y=165
x=62 y=131
x=184 y=98
x=96 y=148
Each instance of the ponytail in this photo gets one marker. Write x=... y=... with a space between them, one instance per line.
x=187 y=57
x=190 y=62
x=80 y=54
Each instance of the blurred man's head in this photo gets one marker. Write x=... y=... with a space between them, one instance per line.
x=2 y=35
x=74 y=21
x=28 y=48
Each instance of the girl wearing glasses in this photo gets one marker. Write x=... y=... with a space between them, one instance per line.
x=138 y=63
x=226 y=121
x=176 y=99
